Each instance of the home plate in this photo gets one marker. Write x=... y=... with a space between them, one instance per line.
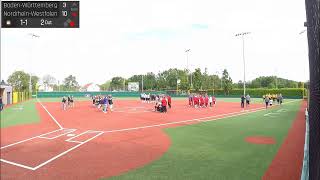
x=70 y=135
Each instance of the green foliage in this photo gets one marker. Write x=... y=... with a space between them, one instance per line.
x=227 y=82
x=70 y=84
x=117 y=83
x=149 y=81
x=19 y=80
x=273 y=82
x=259 y=92
x=105 y=86
x=197 y=79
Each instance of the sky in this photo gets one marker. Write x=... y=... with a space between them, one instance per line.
x=127 y=37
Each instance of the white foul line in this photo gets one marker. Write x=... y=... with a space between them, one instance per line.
x=59 y=155
x=50 y=114
x=59 y=135
x=191 y=120
x=28 y=139
x=120 y=130
x=17 y=164
x=65 y=152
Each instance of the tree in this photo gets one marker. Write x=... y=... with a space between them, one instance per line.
x=272 y=82
x=197 y=79
x=240 y=84
x=136 y=78
x=183 y=77
x=161 y=80
x=34 y=82
x=48 y=80
x=117 y=83
x=20 y=80
x=105 y=86
x=227 y=82
x=70 y=83
x=149 y=81
x=206 y=82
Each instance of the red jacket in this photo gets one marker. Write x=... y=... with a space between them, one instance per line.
x=206 y=100
x=169 y=99
x=201 y=100
x=196 y=100
x=164 y=102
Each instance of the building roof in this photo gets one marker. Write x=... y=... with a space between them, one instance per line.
x=3 y=83
x=87 y=85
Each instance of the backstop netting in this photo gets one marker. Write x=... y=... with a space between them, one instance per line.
x=313 y=23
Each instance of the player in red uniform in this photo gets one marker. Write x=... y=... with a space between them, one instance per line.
x=169 y=101
x=195 y=101
x=206 y=101
x=201 y=101
x=164 y=104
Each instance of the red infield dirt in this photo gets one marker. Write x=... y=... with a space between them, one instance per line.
x=104 y=144
x=287 y=164
x=260 y=140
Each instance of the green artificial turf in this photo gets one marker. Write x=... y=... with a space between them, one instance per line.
x=216 y=150
x=19 y=114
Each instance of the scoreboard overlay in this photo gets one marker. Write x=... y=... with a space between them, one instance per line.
x=40 y=14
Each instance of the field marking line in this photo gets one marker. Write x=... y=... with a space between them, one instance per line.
x=54 y=137
x=268 y=114
x=29 y=139
x=281 y=110
x=57 y=156
x=85 y=132
x=239 y=114
x=119 y=130
x=165 y=124
x=50 y=114
x=16 y=164
x=65 y=152
x=191 y=120
x=69 y=140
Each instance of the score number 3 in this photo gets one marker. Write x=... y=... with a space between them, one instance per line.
x=64 y=13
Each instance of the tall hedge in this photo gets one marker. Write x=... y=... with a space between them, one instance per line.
x=286 y=92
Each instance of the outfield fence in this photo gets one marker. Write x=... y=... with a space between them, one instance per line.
x=236 y=93
x=20 y=96
x=88 y=94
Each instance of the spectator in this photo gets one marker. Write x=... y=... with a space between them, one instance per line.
x=1 y=104
x=248 y=98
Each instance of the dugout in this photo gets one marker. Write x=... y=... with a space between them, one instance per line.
x=6 y=93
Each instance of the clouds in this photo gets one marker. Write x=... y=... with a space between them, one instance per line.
x=124 y=37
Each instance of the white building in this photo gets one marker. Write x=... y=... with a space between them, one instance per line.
x=5 y=93
x=91 y=87
x=45 y=88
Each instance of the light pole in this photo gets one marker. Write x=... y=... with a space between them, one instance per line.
x=244 y=62
x=302 y=32
x=187 y=52
x=276 y=78
x=178 y=81
x=30 y=84
x=142 y=83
